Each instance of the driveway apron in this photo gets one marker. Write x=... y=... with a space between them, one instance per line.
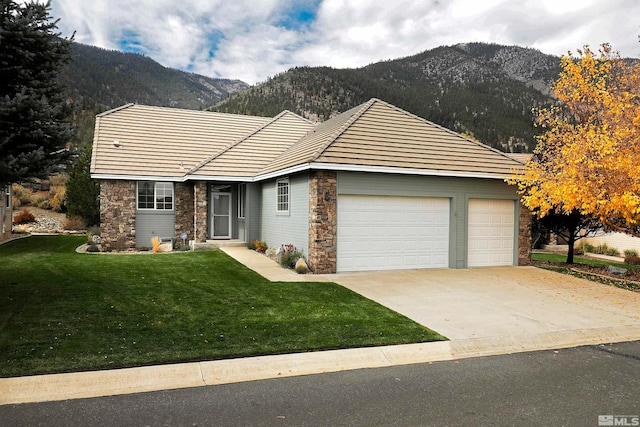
x=497 y=302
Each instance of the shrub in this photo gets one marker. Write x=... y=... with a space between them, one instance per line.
x=612 y=252
x=42 y=201
x=21 y=195
x=586 y=247
x=155 y=244
x=93 y=248
x=633 y=260
x=58 y=201
x=73 y=223
x=601 y=249
x=143 y=248
x=258 y=246
x=289 y=255
x=24 y=217
x=630 y=253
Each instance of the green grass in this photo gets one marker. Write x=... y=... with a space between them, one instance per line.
x=64 y=312
x=558 y=259
x=558 y=264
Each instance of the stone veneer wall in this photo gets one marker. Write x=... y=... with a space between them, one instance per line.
x=524 y=236
x=323 y=222
x=117 y=215
x=200 y=207
x=184 y=208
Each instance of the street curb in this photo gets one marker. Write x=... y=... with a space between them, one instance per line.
x=56 y=387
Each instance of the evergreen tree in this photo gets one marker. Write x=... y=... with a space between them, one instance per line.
x=33 y=104
x=83 y=192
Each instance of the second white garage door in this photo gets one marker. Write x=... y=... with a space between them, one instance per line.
x=386 y=233
x=491 y=232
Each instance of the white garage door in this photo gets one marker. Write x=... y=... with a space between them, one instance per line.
x=386 y=233
x=491 y=232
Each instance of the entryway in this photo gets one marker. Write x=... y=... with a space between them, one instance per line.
x=220 y=215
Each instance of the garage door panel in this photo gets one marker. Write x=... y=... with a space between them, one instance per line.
x=491 y=232
x=400 y=233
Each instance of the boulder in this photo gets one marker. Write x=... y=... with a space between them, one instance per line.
x=618 y=271
x=301 y=266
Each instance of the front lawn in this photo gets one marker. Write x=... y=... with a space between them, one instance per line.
x=61 y=311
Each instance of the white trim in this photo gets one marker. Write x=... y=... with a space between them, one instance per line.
x=138 y=177
x=288 y=182
x=155 y=197
x=309 y=166
x=377 y=169
x=213 y=215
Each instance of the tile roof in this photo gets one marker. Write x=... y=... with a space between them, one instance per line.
x=378 y=134
x=166 y=142
x=156 y=142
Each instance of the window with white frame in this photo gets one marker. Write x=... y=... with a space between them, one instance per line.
x=155 y=195
x=8 y=196
x=242 y=191
x=282 y=195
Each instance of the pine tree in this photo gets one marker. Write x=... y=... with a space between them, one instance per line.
x=83 y=192
x=33 y=104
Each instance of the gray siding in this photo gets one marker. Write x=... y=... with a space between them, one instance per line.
x=253 y=212
x=280 y=229
x=458 y=190
x=154 y=223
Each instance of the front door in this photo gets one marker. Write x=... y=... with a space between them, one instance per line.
x=221 y=215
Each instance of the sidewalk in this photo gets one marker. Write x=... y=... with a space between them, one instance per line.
x=153 y=378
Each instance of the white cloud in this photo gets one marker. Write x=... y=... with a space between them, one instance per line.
x=245 y=39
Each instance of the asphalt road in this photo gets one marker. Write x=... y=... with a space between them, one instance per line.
x=567 y=387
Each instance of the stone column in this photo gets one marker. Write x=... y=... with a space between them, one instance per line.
x=117 y=215
x=323 y=222
x=524 y=236
x=200 y=207
x=184 y=210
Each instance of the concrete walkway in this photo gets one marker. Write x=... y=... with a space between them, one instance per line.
x=483 y=311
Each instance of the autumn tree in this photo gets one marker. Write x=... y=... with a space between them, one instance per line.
x=587 y=160
x=33 y=104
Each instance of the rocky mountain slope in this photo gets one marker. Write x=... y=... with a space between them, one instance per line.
x=486 y=91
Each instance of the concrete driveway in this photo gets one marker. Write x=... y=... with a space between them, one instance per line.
x=502 y=302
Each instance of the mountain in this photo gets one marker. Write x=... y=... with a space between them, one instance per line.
x=485 y=91
x=100 y=79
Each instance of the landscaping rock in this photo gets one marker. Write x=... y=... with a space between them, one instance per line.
x=618 y=271
x=301 y=266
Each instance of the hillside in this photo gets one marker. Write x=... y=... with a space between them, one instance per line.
x=486 y=91
x=112 y=78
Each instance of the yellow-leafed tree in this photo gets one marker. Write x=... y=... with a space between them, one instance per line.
x=587 y=160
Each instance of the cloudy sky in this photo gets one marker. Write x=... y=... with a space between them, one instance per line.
x=251 y=40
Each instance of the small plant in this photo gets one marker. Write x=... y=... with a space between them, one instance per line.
x=182 y=248
x=633 y=260
x=630 y=252
x=143 y=248
x=93 y=248
x=612 y=252
x=73 y=223
x=258 y=246
x=289 y=255
x=155 y=244
x=24 y=217
x=601 y=249
x=120 y=243
x=586 y=247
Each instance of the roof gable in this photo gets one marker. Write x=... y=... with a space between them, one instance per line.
x=248 y=155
